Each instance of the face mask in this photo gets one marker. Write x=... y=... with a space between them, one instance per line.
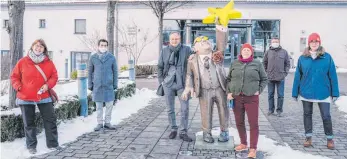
x=102 y=49
x=275 y=45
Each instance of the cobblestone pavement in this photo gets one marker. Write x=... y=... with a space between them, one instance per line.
x=291 y=129
x=144 y=135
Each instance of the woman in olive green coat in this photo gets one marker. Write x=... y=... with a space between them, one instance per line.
x=247 y=79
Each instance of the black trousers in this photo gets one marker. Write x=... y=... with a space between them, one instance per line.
x=49 y=122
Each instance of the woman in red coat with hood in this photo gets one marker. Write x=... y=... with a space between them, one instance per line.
x=32 y=90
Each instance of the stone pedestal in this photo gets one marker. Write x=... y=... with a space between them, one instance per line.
x=223 y=146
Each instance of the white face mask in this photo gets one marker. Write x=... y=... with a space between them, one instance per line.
x=102 y=49
x=275 y=45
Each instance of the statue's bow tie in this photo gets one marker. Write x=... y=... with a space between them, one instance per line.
x=206 y=62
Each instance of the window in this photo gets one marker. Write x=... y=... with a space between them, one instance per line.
x=5 y=23
x=262 y=33
x=80 y=26
x=42 y=23
x=79 y=57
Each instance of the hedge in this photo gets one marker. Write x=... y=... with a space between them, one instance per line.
x=12 y=125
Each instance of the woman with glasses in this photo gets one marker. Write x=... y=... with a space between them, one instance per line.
x=316 y=81
x=247 y=79
x=32 y=89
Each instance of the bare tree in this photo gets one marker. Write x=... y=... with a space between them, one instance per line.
x=181 y=24
x=129 y=41
x=160 y=7
x=15 y=30
x=91 y=42
x=110 y=25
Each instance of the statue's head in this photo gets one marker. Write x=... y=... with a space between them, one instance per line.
x=202 y=45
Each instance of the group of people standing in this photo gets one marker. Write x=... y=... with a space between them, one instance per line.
x=35 y=75
x=315 y=81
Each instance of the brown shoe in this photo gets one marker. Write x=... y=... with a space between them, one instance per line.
x=240 y=147
x=252 y=153
x=331 y=145
x=308 y=142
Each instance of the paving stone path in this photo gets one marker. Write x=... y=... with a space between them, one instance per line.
x=144 y=135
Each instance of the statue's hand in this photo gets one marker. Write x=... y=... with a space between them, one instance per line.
x=186 y=93
x=191 y=57
x=217 y=57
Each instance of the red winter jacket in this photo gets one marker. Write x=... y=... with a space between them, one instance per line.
x=27 y=80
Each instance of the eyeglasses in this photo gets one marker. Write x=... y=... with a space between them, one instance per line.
x=200 y=38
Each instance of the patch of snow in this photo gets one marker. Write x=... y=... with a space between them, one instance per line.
x=341 y=103
x=64 y=92
x=71 y=129
x=154 y=62
x=124 y=74
x=4 y=86
x=341 y=70
x=269 y=146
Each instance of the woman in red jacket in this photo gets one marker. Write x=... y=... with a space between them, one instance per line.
x=32 y=90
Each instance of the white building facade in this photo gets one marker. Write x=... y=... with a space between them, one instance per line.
x=71 y=29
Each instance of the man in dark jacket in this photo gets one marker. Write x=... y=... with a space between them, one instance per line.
x=172 y=68
x=277 y=64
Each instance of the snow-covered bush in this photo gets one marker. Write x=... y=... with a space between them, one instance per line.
x=12 y=123
x=146 y=69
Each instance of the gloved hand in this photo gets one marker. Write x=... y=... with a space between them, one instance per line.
x=90 y=88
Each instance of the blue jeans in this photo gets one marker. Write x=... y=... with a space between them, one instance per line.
x=280 y=95
x=325 y=114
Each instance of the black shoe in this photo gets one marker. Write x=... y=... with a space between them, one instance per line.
x=185 y=137
x=173 y=134
x=109 y=126
x=208 y=138
x=58 y=148
x=269 y=113
x=279 y=114
x=32 y=150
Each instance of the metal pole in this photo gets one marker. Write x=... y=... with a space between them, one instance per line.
x=82 y=88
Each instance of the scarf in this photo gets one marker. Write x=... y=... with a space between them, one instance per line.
x=36 y=58
x=241 y=59
x=174 y=54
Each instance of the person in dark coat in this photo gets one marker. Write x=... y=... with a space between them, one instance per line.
x=103 y=82
x=277 y=64
x=172 y=68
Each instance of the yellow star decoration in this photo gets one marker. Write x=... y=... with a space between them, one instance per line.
x=223 y=14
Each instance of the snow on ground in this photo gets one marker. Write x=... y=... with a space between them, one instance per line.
x=269 y=147
x=124 y=74
x=341 y=70
x=64 y=92
x=71 y=129
x=341 y=103
x=154 y=62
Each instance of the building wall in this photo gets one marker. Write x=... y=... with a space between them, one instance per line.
x=296 y=21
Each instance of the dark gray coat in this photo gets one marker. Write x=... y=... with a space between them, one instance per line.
x=276 y=63
x=163 y=62
x=103 y=77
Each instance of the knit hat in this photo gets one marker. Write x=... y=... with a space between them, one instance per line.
x=314 y=37
x=247 y=45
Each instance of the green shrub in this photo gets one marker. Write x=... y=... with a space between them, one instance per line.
x=123 y=68
x=146 y=69
x=74 y=74
x=12 y=125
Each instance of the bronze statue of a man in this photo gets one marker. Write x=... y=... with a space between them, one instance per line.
x=206 y=78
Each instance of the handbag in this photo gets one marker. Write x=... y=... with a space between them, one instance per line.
x=51 y=92
x=160 y=90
